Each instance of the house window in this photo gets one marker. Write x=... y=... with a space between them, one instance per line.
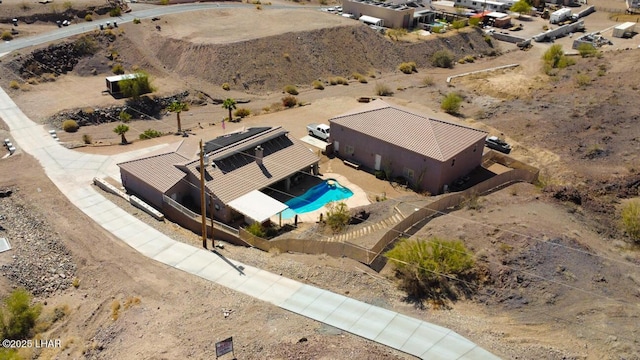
x=475 y=147
x=407 y=173
x=453 y=162
x=348 y=150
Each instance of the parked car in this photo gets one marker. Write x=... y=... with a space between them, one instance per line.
x=493 y=142
x=319 y=130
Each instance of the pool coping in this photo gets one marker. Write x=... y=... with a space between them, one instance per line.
x=359 y=198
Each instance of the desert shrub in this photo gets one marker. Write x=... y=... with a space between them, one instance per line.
x=70 y=126
x=289 y=101
x=86 y=138
x=338 y=216
x=583 y=80
x=226 y=87
x=383 y=90
x=554 y=58
x=86 y=45
x=408 y=67
x=631 y=220
x=458 y=24
x=115 y=12
x=437 y=29
x=118 y=69
x=361 y=78
x=242 y=113
x=137 y=86
x=124 y=116
x=428 y=81
x=425 y=268
x=88 y=17
x=115 y=309
x=14 y=85
x=317 y=84
x=76 y=282
x=451 y=103
x=338 y=80
x=472 y=201
x=136 y=21
x=587 y=50
x=6 y=35
x=469 y=59
x=474 y=22
x=256 y=229
x=291 y=89
x=274 y=107
x=18 y=316
x=487 y=39
x=442 y=59
x=150 y=134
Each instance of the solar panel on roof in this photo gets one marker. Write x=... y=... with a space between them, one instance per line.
x=226 y=140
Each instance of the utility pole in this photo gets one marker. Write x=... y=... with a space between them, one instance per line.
x=203 y=206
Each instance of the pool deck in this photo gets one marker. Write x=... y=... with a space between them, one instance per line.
x=359 y=198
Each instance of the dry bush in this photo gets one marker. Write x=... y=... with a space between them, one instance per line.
x=383 y=90
x=70 y=126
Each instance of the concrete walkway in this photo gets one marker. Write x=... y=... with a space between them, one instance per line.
x=72 y=173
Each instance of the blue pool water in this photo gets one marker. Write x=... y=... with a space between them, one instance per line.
x=316 y=197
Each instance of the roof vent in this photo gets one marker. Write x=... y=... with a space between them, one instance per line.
x=259 y=154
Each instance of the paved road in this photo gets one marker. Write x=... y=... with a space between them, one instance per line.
x=72 y=173
x=76 y=29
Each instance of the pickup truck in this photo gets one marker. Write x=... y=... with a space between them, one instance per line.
x=493 y=142
x=319 y=130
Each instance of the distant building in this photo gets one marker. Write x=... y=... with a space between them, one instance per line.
x=633 y=6
x=484 y=5
x=391 y=14
x=237 y=165
x=427 y=153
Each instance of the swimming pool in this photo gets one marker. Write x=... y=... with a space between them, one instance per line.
x=316 y=197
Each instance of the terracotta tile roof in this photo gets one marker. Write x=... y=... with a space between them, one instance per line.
x=158 y=171
x=436 y=139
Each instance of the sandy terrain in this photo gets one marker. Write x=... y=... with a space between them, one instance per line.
x=559 y=286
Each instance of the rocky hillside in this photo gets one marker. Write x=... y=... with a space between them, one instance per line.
x=302 y=57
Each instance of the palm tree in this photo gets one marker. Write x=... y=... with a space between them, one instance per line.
x=230 y=105
x=121 y=130
x=178 y=107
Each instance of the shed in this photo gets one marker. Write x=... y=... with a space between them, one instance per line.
x=370 y=20
x=624 y=30
x=113 y=82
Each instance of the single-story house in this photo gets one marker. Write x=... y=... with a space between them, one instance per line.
x=429 y=154
x=236 y=165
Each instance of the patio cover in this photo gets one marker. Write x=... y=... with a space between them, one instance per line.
x=257 y=206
